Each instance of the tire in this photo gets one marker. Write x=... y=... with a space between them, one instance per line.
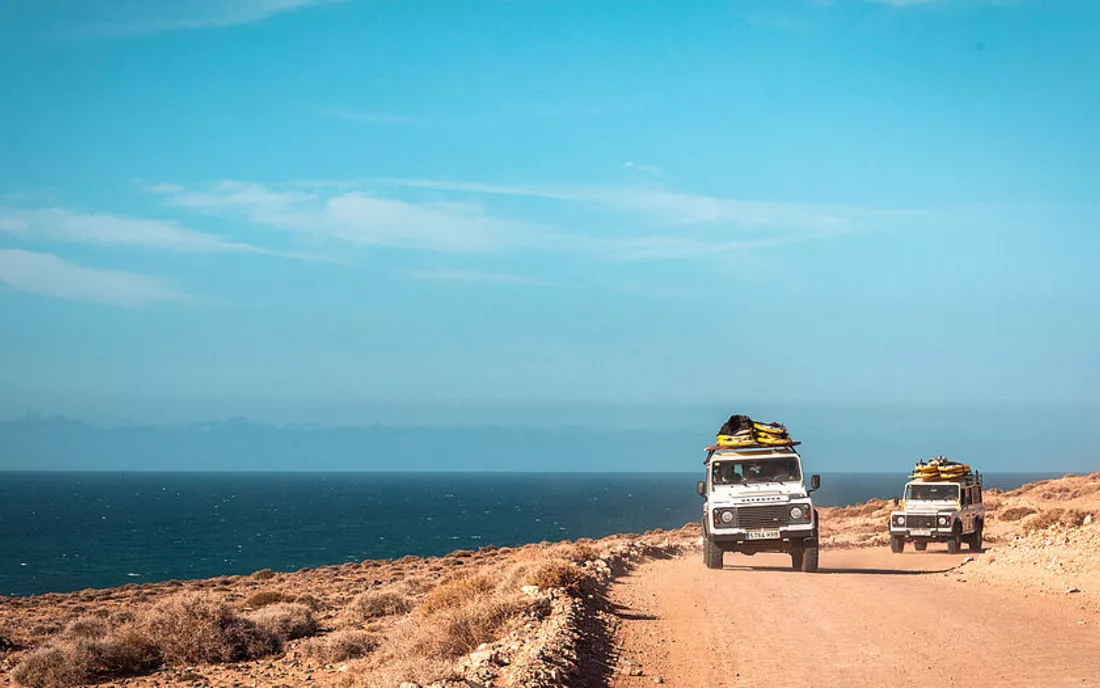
x=920 y=546
x=797 y=557
x=954 y=545
x=809 y=559
x=975 y=540
x=712 y=554
x=897 y=544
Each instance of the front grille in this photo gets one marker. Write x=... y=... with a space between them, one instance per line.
x=920 y=520
x=770 y=516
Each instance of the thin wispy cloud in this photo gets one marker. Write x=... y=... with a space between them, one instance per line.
x=672 y=208
x=61 y=225
x=118 y=18
x=355 y=217
x=460 y=217
x=49 y=275
x=371 y=117
x=638 y=167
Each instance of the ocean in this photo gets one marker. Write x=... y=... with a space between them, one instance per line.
x=63 y=531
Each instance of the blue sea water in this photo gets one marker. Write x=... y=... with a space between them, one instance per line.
x=69 y=531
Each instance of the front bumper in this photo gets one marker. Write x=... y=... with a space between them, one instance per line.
x=787 y=537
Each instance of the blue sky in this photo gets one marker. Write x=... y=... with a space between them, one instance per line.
x=236 y=205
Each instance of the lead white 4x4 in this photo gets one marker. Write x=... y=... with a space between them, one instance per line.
x=756 y=501
x=948 y=511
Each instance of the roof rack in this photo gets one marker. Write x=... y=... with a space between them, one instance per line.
x=753 y=447
x=975 y=477
x=757 y=450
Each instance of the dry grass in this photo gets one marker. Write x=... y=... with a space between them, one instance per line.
x=266 y=597
x=455 y=631
x=263 y=574
x=88 y=627
x=556 y=573
x=456 y=592
x=286 y=621
x=81 y=661
x=340 y=646
x=1015 y=513
x=375 y=604
x=464 y=612
x=187 y=628
x=197 y=628
x=1058 y=516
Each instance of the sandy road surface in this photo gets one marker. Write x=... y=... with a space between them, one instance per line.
x=869 y=618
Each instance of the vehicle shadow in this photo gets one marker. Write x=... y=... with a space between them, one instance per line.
x=845 y=570
x=621 y=612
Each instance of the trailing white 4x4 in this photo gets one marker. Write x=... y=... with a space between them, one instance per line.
x=756 y=501
x=943 y=503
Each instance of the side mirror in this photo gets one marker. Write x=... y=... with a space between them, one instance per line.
x=815 y=482
x=701 y=488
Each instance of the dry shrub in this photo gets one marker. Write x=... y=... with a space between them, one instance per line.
x=340 y=646
x=81 y=661
x=120 y=618
x=263 y=574
x=266 y=597
x=1052 y=517
x=88 y=627
x=556 y=573
x=196 y=628
x=310 y=601
x=375 y=604
x=456 y=591
x=455 y=631
x=286 y=620
x=401 y=669
x=577 y=553
x=47 y=667
x=462 y=613
x=1015 y=513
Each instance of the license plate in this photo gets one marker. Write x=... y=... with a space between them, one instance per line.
x=762 y=535
x=920 y=533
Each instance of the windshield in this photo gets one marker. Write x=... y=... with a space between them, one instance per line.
x=928 y=493
x=754 y=471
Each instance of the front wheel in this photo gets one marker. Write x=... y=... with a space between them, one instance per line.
x=797 y=557
x=809 y=559
x=897 y=544
x=954 y=545
x=712 y=554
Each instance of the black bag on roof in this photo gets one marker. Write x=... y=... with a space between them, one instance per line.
x=736 y=425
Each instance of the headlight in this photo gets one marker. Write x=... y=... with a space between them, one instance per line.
x=727 y=516
x=797 y=513
x=899 y=520
x=943 y=520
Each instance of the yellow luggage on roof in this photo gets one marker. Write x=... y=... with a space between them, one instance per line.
x=736 y=440
x=770 y=428
x=773 y=440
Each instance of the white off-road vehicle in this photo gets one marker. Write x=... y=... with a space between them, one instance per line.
x=948 y=511
x=756 y=501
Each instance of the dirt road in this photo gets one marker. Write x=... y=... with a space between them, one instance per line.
x=869 y=618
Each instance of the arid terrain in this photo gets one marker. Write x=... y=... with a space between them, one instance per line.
x=628 y=610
